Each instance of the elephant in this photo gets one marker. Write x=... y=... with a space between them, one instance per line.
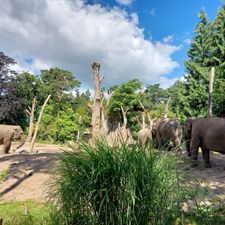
x=167 y=130
x=206 y=133
x=145 y=135
x=9 y=133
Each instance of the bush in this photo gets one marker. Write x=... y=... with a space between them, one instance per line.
x=100 y=184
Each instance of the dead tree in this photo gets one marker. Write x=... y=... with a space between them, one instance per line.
x=212 y=76
x=145 y=133
x=78 y=132
x=166 y=108
x=96 y=107
x=124 y=132
x=104 y=123
x=38 y=123
x=30 y=113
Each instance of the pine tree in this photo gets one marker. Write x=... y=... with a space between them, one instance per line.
x=218 y=58
x=197 y=68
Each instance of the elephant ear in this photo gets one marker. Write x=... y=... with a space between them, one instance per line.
x=188 y=126
x=17 y=131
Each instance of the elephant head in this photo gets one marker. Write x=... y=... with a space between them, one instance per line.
x=18 y=135
x=188 y=127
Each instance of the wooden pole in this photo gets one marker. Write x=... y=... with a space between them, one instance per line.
x=38 y=123
x=211 y=81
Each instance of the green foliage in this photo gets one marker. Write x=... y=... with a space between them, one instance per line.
x=11 y=104
x=59 y=126
x=99 y=184
x=25 y=213
x=207 y=49
x=28 y=86
x=154 y=99
x=205 y=215
x=126 y=96
x=57 y=82
x=61 y=117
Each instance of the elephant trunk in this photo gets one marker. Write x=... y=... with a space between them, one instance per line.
x=22 y=141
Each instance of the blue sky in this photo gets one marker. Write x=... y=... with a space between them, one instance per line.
x=175 y=18
x=143 y=39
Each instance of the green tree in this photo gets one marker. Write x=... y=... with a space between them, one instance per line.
x=28 y=87
x=11 y=104
x=218 y=54
x=127 y=96
x=154 y=99
x=197 y=69
x=58 y=83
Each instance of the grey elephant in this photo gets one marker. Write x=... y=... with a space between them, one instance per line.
x=145 y=135
x=9 y=133
x=168 y=130
x=207 y=134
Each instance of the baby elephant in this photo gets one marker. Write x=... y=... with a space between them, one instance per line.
x=9 y=133
x=168 y=130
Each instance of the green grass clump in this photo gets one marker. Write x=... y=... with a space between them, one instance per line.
x=25 y=213
x=205 y=215
x=3 y=175
x=100 y=184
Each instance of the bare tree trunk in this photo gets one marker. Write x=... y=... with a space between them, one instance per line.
x=104 y=123
x=166 y=108
x=96 y=107
x=212 y=76
x=30 y=112
x=78 y=132
x=38 y=123
x=124 y=115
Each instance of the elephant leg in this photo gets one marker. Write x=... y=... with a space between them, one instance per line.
x=188 y=143
x=206 y=155
x=176 y=144
x=194 y=146
x=6 y=146
x=159 y=140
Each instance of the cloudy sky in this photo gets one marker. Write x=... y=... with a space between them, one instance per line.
x=144 y=39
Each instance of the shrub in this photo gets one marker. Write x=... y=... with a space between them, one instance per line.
x=99 y=184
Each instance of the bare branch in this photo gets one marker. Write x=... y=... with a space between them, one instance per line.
x=166 y=108
x=101 y=79
x=139 y=122
x=38 y=123
x=142 y=106
x=28 y=112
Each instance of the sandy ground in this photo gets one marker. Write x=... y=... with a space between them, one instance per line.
x=28 y=175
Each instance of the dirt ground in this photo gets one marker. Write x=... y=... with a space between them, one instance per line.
x=28 y=175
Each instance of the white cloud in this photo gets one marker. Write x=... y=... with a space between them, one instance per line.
x=187 y=41
x=165 y=82
x=152 y=12
x=72 y=35
x=168 y=39
x=124 y=2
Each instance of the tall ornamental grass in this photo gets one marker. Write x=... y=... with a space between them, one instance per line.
x=99 y=184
